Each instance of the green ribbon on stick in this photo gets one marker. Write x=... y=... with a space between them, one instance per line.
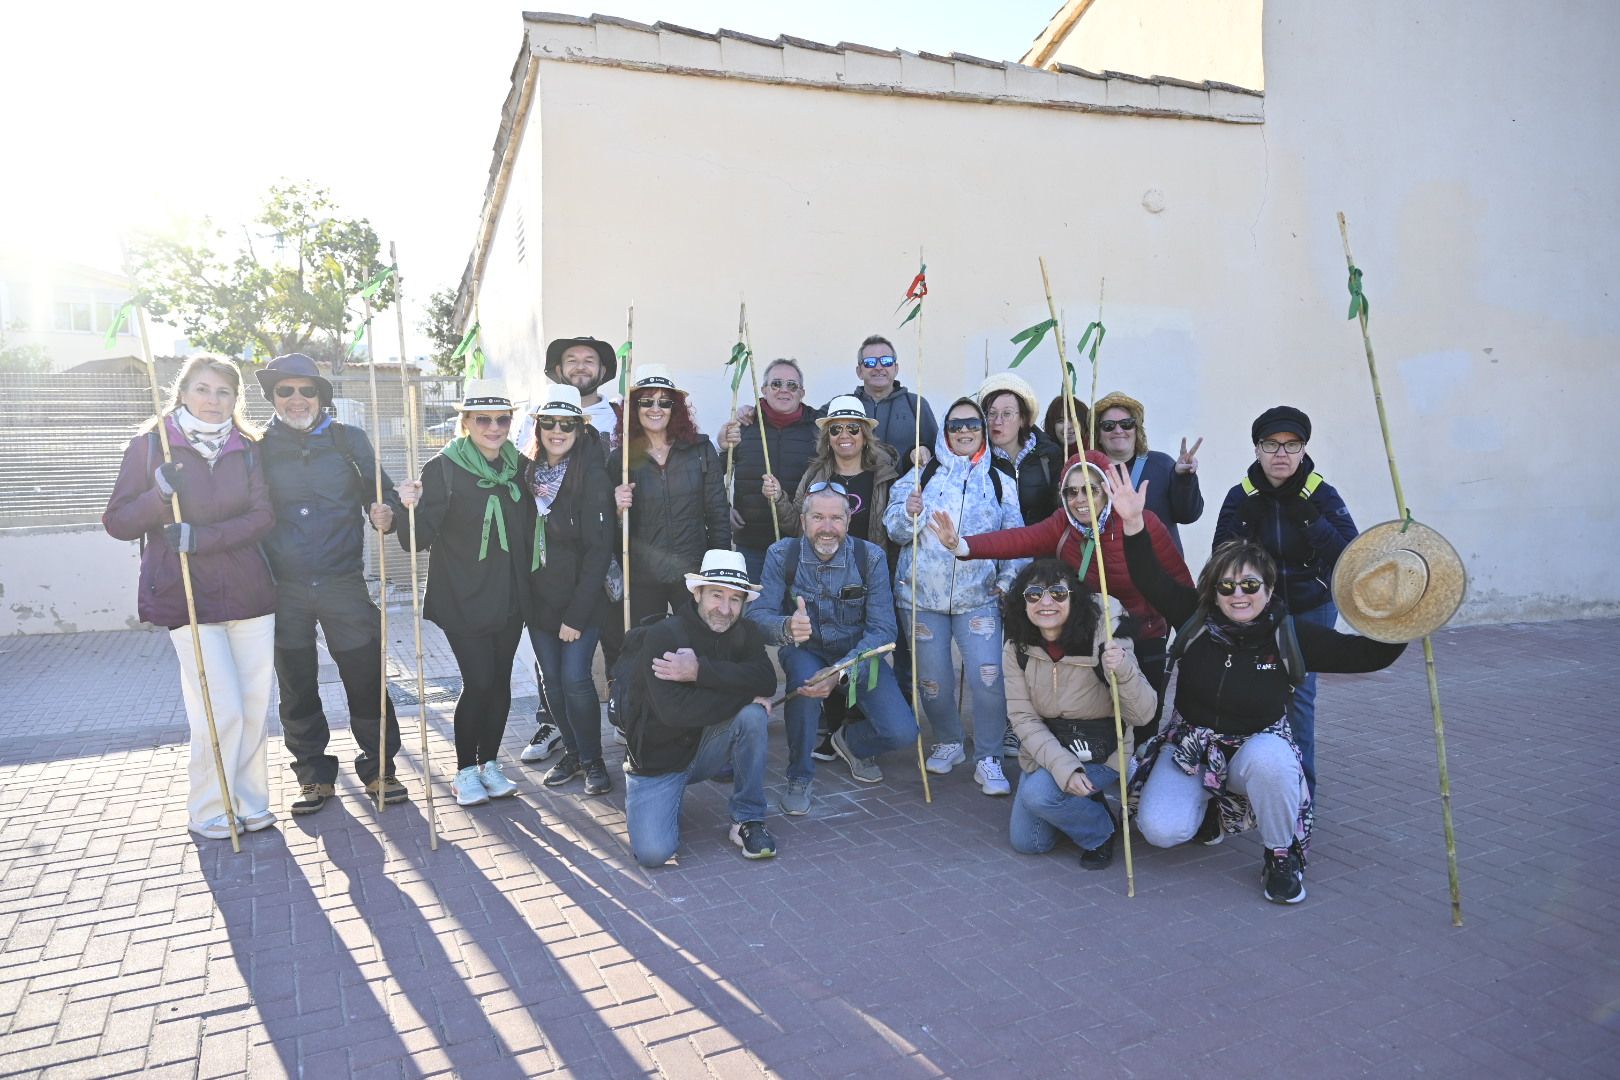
x=374 y=286
x=741 y=357
x=1358 y=299
x=359 y=336
x=473 y=366
x=1031 y=336
x=623 y=353
x=120 y=320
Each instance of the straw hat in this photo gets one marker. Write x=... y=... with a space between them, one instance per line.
x=845 y=407
x=1114 y=399
x=724 y=568
x=484 y=395
x=561 y=400
x=1399 y=581
x=1006 y=380
x=654 y=377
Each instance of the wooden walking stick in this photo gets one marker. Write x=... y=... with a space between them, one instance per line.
x=764 y=443
x=915 y=292
x=185 y=581
x=1066 y=371
x=624 y=455
x=1358 y=310
x=739 y=359
x=408 y=390
x=838 y=668
x=382 y=548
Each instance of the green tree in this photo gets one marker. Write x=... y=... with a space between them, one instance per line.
x=285 y=287
x=22 y=356
x=439 y=325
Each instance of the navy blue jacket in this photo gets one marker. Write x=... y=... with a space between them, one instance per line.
x=320 y=494
x=1304 y=539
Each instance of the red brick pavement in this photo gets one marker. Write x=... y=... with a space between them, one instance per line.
x=889 y=935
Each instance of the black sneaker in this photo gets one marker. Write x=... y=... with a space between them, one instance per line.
x=824 y=750
x=596 y=778
x=311 y=797
x=1284 y=876
x=392 y=791
x=754 y=839
x=566 y=769
x=1101 y=856
x=1210 y=832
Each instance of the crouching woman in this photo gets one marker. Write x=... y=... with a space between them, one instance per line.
x=1056 y=663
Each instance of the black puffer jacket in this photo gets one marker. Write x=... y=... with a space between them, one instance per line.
x=679 y=510
x=579 y=543
x=791 y=449
x=1038 y=470
x=321 y=481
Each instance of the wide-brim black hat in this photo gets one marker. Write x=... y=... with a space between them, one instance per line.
x=604 y=353
x=293 y=366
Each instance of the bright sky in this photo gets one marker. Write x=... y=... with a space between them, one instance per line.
x=126 y=115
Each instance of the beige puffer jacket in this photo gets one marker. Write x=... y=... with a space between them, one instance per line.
x=1069 y=689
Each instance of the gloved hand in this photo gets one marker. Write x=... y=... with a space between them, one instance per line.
x=181 y=536
x=170 y=478
x=1301 y=512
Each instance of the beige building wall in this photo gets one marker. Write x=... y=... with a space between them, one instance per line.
x=1479 y=207
x=1187 y=39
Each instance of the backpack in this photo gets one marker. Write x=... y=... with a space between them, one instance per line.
x=625 y=707
x=933 y=467
x=1288 y=651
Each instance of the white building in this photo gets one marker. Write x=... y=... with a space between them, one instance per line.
x=66 y=309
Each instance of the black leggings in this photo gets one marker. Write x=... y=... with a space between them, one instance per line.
x=486 y=690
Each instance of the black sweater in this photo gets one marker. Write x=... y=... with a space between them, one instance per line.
x=579 y=543
x=1242 y=689
x=679 y=510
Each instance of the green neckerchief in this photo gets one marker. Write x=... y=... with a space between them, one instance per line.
x=462 y=452
x=539 y=559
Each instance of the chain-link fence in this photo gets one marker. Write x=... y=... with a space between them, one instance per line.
x=62 y=436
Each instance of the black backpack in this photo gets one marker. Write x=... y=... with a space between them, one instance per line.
x=625 y=706
x=1288 y=651
x=933 y=467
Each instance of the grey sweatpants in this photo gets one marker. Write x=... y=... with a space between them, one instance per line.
x=1265 y=770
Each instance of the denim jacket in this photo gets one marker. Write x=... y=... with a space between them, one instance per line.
x=848 y=615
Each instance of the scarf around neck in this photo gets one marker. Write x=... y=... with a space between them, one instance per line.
x=462 y=452
x=781 y=421
x=545 y=483
x=205 y=438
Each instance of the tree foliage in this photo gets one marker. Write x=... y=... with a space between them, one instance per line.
x=284 y=285
x=22 y=356
x=439 y=325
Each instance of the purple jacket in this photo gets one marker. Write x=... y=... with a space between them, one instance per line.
x=228 y=506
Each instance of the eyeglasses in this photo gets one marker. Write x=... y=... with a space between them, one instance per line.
x=552 y=423
x=1001 y=417
x=870 y=362
x=1127 y=424
x=835 y=430
x=1271 y=446
x=790 y=385
x=827 y=485
x=1058 y=593
x=1249 y=585
x=1072 y=493
x=655 y=403
x=285 y=391
x=501 y=422
x=964 y=423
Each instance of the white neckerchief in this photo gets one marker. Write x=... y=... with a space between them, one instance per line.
x=206 y=439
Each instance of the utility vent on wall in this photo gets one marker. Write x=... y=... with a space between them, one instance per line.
x=522 y=240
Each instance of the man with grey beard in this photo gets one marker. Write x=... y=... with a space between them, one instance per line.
x=322 y=487
x=826 y=598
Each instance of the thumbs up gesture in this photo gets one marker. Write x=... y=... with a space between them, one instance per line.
x=799 y=628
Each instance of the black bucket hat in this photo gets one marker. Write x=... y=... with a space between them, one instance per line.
x=604 y=353
x=293 y=366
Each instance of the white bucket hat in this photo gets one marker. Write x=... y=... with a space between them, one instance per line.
x=724 y=568
x=845 y=407
x=561 y=399
x=484 y=395
x=654 y=377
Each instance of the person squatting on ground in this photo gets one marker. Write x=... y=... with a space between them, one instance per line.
x=788 y=427
x=1062 y=711
x=567 y=480
x=217 y=473
x=1229 y=739
x=1122 y=436
x=826 y=598
x=700 y=700
x=957 y=600
x=473 y=518
x=1285 y=506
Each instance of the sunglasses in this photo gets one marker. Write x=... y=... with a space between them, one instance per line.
x=965 y=423
x=835 y=430
x=827 y=485
x=1249 y=585
x=1127 y=424
x=870 y=362
x=655 y=403
x=790 y=385
x=551 y=423
x=485 y=420
x=1072 y=493
x=1058 y=593
x=285 y=391
x=1271 y=446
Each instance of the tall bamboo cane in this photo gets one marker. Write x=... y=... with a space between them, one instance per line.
x=916 y=414
x=736 y=385
x=408 y=390
x=764 y=443
x=624 y=455
x=185 y=581
x=382 y=555
x=1102 y=580
x=1428 y=643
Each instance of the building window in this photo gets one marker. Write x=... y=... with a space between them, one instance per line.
x=77 y=316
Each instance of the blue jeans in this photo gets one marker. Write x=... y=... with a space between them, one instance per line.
x=570 y=689
x=652 y=804
x=1302 y=706
x=977 y=634
x=887 y=722
x=754 y=559
x=1041 y=810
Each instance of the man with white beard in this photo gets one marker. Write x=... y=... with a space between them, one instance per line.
x=322 y=487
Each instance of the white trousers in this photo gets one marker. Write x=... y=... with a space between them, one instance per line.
x=239 y=658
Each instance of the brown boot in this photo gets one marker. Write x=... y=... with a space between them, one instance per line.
x=393 y=790
x=311 y=797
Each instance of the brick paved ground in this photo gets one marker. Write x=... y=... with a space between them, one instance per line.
x=890 y=935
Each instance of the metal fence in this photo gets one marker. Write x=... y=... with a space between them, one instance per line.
x=62 y=436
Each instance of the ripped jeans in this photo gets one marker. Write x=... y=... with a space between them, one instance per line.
x=977 y=634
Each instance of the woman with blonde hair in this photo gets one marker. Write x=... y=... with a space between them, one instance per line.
x=218 y=477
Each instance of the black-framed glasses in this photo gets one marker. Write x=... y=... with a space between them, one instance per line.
x=1271 y=446
x=964 y=423
x=285 y=391
x=1249 y=585
x=827 y=485
x=790 y=385
x=1034 y=593
x=501 y=422
x=655 y=403
x=552 y=423
x=870 y=362
x=835 y=430
x=1127 y=424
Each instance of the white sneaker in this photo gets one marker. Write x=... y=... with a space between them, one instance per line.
x=495 y=781
x=944 y=756
x=545 y=742
x=215 y=828
x=469 y=787
x=261 y=820
x=988 y=775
